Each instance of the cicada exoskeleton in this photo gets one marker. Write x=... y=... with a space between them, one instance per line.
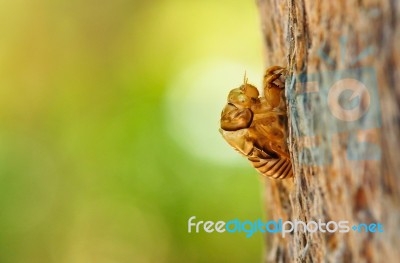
x=256 y=126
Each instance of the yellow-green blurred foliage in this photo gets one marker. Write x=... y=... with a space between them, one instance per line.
x=94 y=166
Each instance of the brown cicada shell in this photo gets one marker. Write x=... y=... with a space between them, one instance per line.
x=256 y=126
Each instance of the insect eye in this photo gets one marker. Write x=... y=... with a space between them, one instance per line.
x=242 y=98
x=234 y=95
x=250 y=91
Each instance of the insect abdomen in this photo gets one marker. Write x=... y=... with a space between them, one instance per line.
x=277 y=168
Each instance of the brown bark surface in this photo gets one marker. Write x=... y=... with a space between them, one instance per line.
x=297 y=34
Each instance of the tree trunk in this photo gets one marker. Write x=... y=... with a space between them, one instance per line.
x=345 y=156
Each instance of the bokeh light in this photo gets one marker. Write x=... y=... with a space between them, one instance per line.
x=92 y=166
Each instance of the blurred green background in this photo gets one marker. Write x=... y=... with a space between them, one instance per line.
x=109 y=130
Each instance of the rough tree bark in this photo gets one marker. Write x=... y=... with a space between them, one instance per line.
x=336 y=176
